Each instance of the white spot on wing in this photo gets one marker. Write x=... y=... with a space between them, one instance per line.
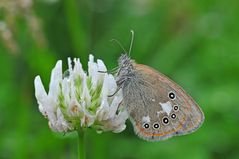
x=167 y=107
x=145 y=119
x=159 y=112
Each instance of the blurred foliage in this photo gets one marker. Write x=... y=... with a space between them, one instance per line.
x=193 y=42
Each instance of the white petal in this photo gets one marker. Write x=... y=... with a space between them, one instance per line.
x=40 y=94
x=66 y=91
x=103 y=110
x=105 y=88
x=93 y=71
x=101 y=69
x=114 y=106
x=87 y=119
x=121 y=117
x=70 y=69
x=85 y=97
x=39 y=88
x=119 y=128
x=112 y=84
x=101 y=66
x=56 y=77
x=62 y=125
x=75 y=109
x=78 y=71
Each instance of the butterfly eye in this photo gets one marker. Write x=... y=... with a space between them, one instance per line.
x=173 y=116
x=156 y=125
x=171 y=95
x=165 y=120
x=146 y=125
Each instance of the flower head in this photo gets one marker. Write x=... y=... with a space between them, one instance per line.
x=81 y=100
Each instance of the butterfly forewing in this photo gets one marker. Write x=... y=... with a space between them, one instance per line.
x=158 y=107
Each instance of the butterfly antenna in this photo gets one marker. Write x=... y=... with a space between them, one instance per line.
x=117 y=42
x=132 y=41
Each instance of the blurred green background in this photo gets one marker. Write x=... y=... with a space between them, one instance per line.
x=194 y=42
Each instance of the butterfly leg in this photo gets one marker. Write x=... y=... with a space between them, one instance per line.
x=120 y=85
x=117 y=90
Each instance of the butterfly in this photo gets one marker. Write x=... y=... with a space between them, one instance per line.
x=158 y=107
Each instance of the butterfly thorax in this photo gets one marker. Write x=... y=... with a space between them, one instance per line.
x=125 y=70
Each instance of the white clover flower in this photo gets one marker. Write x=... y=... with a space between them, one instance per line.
x=81 y=100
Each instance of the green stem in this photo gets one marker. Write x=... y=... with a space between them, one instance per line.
x=81 y=144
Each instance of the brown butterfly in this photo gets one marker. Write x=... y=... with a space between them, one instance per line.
x=158 y=107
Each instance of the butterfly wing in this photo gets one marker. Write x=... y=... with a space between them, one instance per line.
x=158 y=107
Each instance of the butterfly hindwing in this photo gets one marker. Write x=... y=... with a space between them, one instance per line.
x=158 y=107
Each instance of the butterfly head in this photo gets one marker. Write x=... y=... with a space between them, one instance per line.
x=124 y=60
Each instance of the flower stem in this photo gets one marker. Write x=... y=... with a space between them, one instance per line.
x=81 y=144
